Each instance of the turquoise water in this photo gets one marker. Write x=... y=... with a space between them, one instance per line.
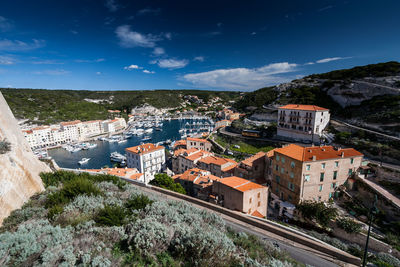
x=100 y=156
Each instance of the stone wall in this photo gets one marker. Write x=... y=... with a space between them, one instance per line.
x=19 y=168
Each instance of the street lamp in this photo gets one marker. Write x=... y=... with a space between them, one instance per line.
x=373 y=210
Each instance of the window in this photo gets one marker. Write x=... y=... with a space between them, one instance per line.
x=334 y=175
x=350 y=171
x=250 y=200
x=291 y=186
x=277 y=157
x=291 y=175
x=351 y=161
x=308 y=167
x=307 y=177
x=282 y=170
x=258 y=195
x=321 y=177
x=320 y=188
x=278 y=179
x=258 y=204
x=283 y=160
x=323 y=165
x=292 y=164
x=319 y=198
x=277 y=167
x=336 y=163
x=333 y=185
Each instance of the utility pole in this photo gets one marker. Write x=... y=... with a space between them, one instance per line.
x=371 y=215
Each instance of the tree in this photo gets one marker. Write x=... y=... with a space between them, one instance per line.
x=321 y=212
x=164 y=181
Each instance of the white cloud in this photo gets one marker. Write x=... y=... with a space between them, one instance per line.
x=132 y=67
x=111 y=5
x=329 y=59
x=158 y=51
x=171 y=63
x=16 y=45
x=6 y=60
x=6 y=24
x=310 y=63
x=199 y=58
x=168 y=35
x=253 y=33
x=47 y=62
x=98 y=73
x=90 y=60
x=149 y=71
x=242 y=78
x=130 y=38
x=52 y=72
x=148 y=10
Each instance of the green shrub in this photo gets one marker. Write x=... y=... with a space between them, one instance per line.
x=164 y=181
x=111 y=216
x=138 y=202
x=80 y=186
x=349 y=225
x=55 y=210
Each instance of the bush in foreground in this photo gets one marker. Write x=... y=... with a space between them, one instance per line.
x=164 y=181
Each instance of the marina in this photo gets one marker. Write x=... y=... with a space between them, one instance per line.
x=107 y=151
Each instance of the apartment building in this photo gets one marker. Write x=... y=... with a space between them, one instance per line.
x=197 y=182
x=72 y=130
x=198 y=143
x=114 y=125
x=242 y=195
x=91 y=128
x=254 y=168
x=302 y=122
x=311 y=173
x=220 y=167
x=147 y=158
x=185 y=159
x=222 y=123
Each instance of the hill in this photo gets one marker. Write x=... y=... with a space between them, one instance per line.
x=367 y=94
x=52 y=106
x=100 y=220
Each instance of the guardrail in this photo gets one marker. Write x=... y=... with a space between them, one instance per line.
x=285 y=232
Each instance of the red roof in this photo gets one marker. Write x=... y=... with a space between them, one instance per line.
x=257 y=214
x=240 y=184
x=249 y=161
x=67 y=123
x=197 y=140
x=320 y=152
x=303 y=107
x=143 y=149
x=216 y=160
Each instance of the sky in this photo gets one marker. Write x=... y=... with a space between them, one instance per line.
x=217 y=45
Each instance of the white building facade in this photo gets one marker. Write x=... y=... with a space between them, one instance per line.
x=302 y=122
x=149 y=159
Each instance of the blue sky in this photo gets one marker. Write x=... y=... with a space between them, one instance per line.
x=221 y=45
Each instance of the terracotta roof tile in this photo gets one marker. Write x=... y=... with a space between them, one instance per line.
x=197 y=140
x=143 y=149
x=240 y=184
x=67 y=123
x=303 y=107
x=321 y=153
x=249 y=161
x=257 y=214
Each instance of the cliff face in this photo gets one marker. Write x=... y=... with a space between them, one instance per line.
x=19 y=168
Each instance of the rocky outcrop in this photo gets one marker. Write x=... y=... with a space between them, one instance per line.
x=19 y=168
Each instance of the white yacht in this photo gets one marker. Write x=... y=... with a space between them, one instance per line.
x=83 y=161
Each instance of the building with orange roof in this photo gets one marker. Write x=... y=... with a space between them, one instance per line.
x=148 y=158
x=220 y=167
x=179 y=144
x=222 y=123
x=254 y=168
x=311 y=173
x=185 y=159
x=241 y=194
x=197 y=182
x=198 y=143
x=302 y=122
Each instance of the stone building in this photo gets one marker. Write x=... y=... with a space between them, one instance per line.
x=311 y=173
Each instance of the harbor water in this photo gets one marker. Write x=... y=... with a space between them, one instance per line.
x=100 y=156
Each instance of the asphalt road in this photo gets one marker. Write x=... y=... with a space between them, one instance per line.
x=298 y=254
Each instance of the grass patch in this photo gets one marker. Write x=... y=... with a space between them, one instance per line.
x=241 y=146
